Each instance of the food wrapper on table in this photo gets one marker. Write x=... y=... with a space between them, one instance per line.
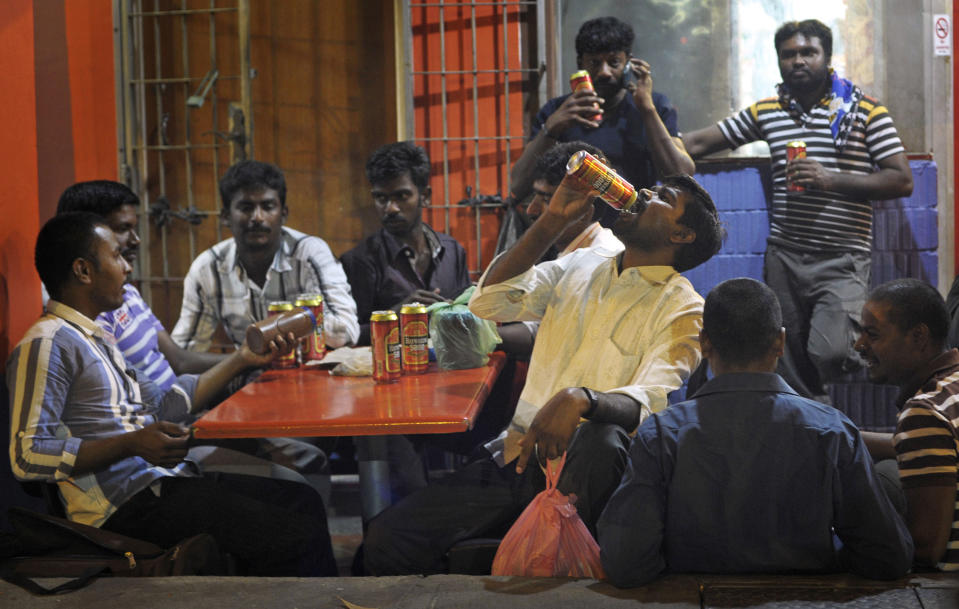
x=460 y=338
x=348 y=361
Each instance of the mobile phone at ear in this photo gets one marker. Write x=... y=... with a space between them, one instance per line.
x=628 y=80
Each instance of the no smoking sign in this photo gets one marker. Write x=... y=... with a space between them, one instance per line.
x=942 y=34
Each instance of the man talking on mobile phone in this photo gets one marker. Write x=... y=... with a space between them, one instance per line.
x=633 y=125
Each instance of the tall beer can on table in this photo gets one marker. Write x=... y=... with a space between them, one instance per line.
x=414 y=330
x=385 y=341
x=314 y=347
x=580 y=81
x=614 y=190
x=278 y=307
x=795 y=150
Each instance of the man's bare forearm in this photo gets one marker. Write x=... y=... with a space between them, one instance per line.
x=880 y=445
x=184 y=361
x=669 y=154
x=521 y=176
x=618 y=409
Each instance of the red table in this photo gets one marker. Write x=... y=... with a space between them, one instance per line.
x=311 y=402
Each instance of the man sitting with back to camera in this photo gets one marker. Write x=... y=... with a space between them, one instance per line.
x=748 y=476
x=619 y=332
x=115 y=445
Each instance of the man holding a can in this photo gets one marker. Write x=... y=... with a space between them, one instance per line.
x=619 y=331
x=153 y=354
x=405 y=261
x=117 y=447
x=619 y=113
x=234 y=281
x=833 y=150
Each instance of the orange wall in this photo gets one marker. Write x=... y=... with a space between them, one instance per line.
x=84 y=78
x=19 y=286
x=491 y=172
x=89 y=34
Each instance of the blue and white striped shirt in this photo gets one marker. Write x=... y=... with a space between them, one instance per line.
x=68 y=384
x=135 y=328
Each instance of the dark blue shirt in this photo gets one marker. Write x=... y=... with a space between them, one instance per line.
x=621 y=136
x=380 y=273
x=749 y=477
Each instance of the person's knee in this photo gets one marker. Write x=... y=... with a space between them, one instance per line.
x=830 y=347
x=600 y=441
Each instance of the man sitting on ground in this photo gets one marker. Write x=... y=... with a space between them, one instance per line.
x=619 y=331
x=115 y=445
x=905 y=325
x=748 y=476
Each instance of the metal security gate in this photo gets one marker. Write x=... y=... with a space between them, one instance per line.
x=184 y=115
x=468 y=71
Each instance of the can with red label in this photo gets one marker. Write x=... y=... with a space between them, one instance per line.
x=414 y=330
x=580 y=81
x=794 y=150
x=314 y=345
x=289 y=360
x=612 y=189
x=385 y=341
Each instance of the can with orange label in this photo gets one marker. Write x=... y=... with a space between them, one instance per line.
x=414 y=330
x=385 y=341
x=314 y=345
x=794 y=150
x=580 y=81
x=282 y=362
x=612 y=189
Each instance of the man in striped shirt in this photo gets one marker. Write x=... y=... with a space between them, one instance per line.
x=234 y=281
x=116 y=446
x=903 y=342
x=820 y=237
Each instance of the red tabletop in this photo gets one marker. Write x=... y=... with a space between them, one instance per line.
x=312 y=402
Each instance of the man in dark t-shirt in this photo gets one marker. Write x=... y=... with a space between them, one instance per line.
x=636 y=127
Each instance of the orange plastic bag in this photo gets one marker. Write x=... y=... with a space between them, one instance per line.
x=549 y=539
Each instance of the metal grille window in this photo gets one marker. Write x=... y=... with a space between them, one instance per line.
x=184 y=104
x=469 y=69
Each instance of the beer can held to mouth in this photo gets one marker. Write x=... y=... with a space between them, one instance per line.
x=614 y=190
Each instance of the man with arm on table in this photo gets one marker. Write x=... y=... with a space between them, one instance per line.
x=115 y=445
x=619 y=332
x=637 y=128
x=903 y=342
x=749 y=477
x=820 y=236
x=406 y=260
x=151 y=351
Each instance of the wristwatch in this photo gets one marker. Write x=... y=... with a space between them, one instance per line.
x=593 y=398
